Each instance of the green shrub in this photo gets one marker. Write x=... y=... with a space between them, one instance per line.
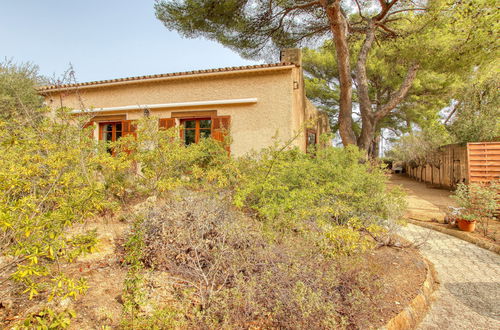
x=47 y=184
x=332 y=193
x=163 y=163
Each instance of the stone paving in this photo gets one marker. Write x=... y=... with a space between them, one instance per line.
x=468 y=296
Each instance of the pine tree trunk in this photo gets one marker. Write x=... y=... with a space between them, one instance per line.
x=338 y=26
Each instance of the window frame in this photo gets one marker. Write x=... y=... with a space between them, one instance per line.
x=309 y=145
x=113 y=130
x=113 y=133
x=197 y=129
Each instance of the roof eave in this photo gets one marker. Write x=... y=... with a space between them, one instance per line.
x=148 y=79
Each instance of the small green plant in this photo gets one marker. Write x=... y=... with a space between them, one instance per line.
x=133 y=293
x=47 y=319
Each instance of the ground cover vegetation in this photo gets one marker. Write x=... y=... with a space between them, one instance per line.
x=273 y=239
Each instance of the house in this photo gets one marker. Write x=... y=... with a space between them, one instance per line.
x=254 y=103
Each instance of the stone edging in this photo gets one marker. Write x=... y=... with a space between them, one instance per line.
x=463 y=236
x=413 y=314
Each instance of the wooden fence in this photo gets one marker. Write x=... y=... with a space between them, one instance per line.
x=454 y=163
x=484 y=161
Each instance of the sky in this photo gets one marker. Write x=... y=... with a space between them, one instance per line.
x=102 y=39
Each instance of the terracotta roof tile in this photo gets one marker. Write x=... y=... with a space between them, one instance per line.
x=155 y=76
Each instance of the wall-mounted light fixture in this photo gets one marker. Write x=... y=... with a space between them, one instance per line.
x=295 y=85
x=146 y=113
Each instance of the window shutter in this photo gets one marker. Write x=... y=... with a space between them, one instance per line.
x=220 y=128
x=166 y=123
x=129 y=127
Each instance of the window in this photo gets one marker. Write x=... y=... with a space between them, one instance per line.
x=198 y=125
x=110 y=132
x=311 y=139
x=195 y=129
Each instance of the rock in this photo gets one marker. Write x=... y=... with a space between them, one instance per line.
x=151 y=199
x=65 y=303
x=119 y=299
x=7 y=304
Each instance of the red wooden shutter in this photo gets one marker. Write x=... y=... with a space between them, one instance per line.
x=166 y=123
x=220 y=128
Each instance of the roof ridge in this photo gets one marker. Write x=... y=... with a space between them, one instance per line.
x=163 y=75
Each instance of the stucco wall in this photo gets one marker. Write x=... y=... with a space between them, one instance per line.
x=252 y=125
x=305 y=115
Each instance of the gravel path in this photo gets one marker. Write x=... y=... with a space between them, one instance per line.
x=469 y=293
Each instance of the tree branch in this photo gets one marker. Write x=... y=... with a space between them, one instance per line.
x=359 y=9
x=386 y=6
x=400 y=94
x=452 y=112
x=361 y=75
x=385 y=28
x=403 y=10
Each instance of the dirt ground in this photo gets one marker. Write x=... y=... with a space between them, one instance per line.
x=425 y=202
x=400 y=272
x=101 y=304
x=430 y=204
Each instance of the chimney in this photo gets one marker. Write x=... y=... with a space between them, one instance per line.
x=293 y=55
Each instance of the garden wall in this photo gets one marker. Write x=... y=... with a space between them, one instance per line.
x=455 y=163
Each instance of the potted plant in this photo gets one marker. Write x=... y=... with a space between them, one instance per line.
x=478 y=203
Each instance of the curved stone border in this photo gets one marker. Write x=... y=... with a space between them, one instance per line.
x=411 y=316
x=463 y=236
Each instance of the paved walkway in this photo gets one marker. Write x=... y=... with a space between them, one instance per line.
x=469 y=293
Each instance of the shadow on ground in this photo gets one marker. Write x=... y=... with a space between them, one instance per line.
x=482 y=297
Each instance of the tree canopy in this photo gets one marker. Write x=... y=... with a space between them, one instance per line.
x=477 y=111
x=18 y=96
x=397 y=39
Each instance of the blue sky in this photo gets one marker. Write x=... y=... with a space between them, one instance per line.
x=103 y=39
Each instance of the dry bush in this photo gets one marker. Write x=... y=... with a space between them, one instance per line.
x=227 y=274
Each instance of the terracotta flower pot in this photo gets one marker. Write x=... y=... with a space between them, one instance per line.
x=465 y=225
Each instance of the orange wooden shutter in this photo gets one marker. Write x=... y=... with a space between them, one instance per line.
x=166 y=123
x=220 y=128
x=129 y=127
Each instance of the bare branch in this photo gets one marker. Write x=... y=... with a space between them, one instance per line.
x=404 y=10
x=361 y=75
x=359 y=9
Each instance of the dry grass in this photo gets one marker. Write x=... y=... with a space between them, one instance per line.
x=225 y=273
